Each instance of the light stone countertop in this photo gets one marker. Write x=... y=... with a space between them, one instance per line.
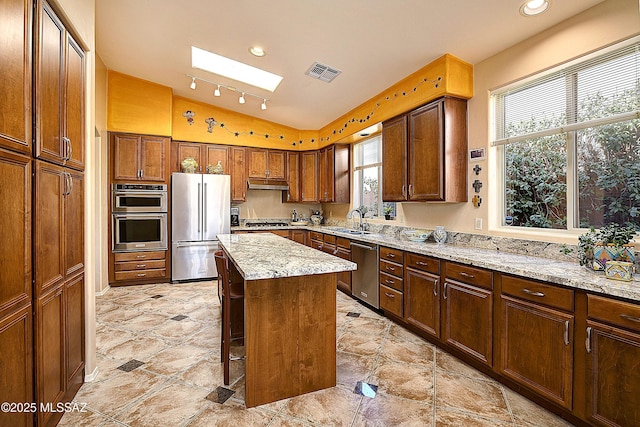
x=267 y=256
x=570 y=274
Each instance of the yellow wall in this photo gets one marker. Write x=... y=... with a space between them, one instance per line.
x=138 y=106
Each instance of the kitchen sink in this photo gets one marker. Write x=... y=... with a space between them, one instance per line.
x=349 y=231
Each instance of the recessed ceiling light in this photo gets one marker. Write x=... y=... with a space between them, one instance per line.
x=257 y=51
x=534 y=7
x=232 y=69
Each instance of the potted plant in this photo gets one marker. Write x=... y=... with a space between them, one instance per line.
x=609 y=243
x=387 y=212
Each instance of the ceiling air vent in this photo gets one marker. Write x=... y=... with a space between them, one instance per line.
x=322 y=72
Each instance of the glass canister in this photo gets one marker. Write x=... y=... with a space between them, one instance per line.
x=439 y=234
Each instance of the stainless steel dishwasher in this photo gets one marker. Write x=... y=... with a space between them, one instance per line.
x=364 y=281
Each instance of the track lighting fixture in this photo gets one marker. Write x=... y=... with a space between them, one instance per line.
x=216 y=91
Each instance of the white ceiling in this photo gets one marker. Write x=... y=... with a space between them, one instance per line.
x=375 y=43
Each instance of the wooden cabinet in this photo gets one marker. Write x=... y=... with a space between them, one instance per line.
x=139 y=157
x=59 y=84
x=203 y=154
x=15 y=85
x=391 y=281
x=315 y=240
x=292 y=177
x=299 y=236
x=422 y=293
x=467 y=311
x=238 y=174
x=537 y=337
x=424 y=153
x=139 y=265
x=344 y=277
x=308 y=176
x=613 y=352
x=333 y=174
x=266 y=164
x=329 y=244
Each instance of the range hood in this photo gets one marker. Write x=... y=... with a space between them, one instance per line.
x=267 y=184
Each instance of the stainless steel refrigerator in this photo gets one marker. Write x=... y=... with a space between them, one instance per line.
x=200 y=210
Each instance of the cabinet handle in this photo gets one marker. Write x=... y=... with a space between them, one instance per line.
x=587 y=342
x=633 y=319
x=470 y=276
x=141 y=265
x=435 y=288
x=391 y=282
x=532 y=293
x=404 y=191
x=391 y=255
x=141 y=274
x=335 y=251
x=566 y=332
x=392 y=296
x=70 y=149
x=390 y=268
x=141 y=256
x=421 y=263
x=65 y=148
x=444 y=291
x=70 y=183
x=141 y=173
x=288 y=196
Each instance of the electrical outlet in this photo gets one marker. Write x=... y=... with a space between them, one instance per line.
x=478 y=223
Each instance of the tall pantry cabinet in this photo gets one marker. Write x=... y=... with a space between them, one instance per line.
x=41 y=211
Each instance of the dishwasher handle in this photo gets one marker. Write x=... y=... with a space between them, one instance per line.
x=371 y=248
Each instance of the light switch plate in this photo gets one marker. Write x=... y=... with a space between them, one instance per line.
x=478 y=223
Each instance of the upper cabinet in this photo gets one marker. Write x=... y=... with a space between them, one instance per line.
x=139 y=157
x=266 y=164
x=59 y=83
x=204 y=155
x=293 y=178
x=237 y=158
x=308 y=174
x=424 y=153
x=15 y=85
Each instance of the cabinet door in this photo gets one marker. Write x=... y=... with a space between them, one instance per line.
x=342 y=175
x=426 y=144
x=49 y=350
x=186 y=149
x=16 y=359
x=15 y=85
x=344 y=277
x=214 y=154
x=74 y=223
x=308 y=171
x=257 y=161
x=613 y=375
x=327 y=164
x=468 y=319
x=298 y=236
x=276 y=164
x=153 y=158
x=394 y=160
x=293 y=178
x=15 y=231
x=422 y=301
x=74 y=111
x=537 y=349
x=125 y=153
x=48 y=226
x=238 y=177
x=74 y=330
x=49 y=86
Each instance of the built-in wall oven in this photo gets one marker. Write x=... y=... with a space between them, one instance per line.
x=139 y=217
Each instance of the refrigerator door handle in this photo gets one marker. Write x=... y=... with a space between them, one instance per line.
x=204 y=206
x=189 y=244
x=199 y=207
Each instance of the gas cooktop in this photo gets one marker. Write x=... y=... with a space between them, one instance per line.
x=266 y=224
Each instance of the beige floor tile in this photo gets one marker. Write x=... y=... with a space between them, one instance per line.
x=408 y=352
x=139 y=347
x=406 y=381
x=84 y=418
x=206 y=314
x=367 y=326
x=333 y=406
x=208 y=337
x=176 y=359
x=146 y=322
x=483 y=398
x=130 y=299
x=119 y=317
x=351 y=368
x=387 y=410
x=177 y=330
x=449 y=363
x=445 y=418
x=108 y=337
x=232 y=414
x=400 y=333
x=204 y=373
x=172 y=405
x=528 y=414
x=365 y=345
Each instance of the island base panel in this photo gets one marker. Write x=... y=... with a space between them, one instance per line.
x=290 y=337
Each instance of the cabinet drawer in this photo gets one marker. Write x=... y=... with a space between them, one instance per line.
x=471 y=275
x=540 y=293
x=137 y=256
x=139 y=265
x=391 y=268
x=315 y=235
x=343 y=243
x=421 y=262
x=391 y=281
x=394 y=255
x=145 y=274
x=316 y=244
x=624 y=314
x=391 y=300
x=329 y=248
x=328 y=238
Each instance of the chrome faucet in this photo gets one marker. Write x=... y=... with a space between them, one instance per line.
x=350 y=216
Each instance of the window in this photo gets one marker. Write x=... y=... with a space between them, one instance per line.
x=367 y=177
x=570 y=141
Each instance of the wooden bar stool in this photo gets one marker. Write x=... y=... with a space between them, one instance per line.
x=228 y=291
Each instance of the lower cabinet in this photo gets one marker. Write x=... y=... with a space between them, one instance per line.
x=613 y=371
x=299 y=236
x=344 y=252
x=391 y=280
x=422 y=301
x=140 y=266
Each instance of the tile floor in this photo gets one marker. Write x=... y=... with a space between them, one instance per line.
x=159 y=365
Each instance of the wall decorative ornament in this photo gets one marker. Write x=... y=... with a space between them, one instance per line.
x=211 y=122
x=189 y=115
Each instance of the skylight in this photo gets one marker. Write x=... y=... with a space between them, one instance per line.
x=232 y=69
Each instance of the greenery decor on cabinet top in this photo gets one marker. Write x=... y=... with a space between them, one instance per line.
x=610 y=243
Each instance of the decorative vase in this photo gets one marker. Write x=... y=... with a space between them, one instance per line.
x=217 y=169
x=439 y=234
x=602 y=254
x=619 y=270
x=189 y=165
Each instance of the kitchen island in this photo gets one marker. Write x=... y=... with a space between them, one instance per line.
x=289 y=314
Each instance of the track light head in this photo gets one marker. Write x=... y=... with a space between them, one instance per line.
x=241 y=99
x=217 y=91
x=264 y=104
x=193 y=83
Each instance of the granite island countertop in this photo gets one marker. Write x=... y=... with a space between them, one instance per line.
x=267 y=256
x=569 y=274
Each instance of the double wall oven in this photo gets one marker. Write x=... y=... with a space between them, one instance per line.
x=139 y=220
